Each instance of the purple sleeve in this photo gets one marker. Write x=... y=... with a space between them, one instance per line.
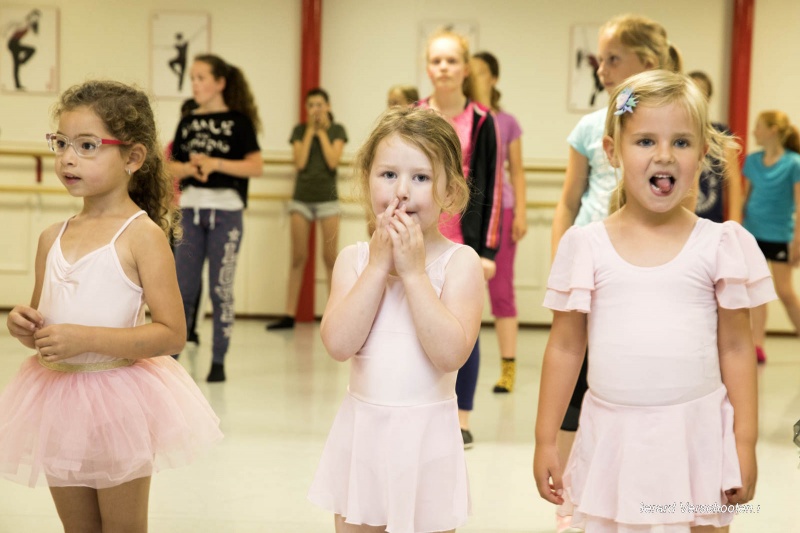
x=515 y=132
x=509 y=129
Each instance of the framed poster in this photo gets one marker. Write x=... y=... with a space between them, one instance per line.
x=585 y=93
x=468 y=29
x=175 y=38
x=29 y=58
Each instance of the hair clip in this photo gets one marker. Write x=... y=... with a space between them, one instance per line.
x=626 y=101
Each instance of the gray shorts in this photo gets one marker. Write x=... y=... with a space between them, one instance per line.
x=314 y=210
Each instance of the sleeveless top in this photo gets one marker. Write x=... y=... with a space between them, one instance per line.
x=92 y=291
x=392 y=368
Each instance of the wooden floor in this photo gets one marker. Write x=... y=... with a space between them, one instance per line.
x=280 y=399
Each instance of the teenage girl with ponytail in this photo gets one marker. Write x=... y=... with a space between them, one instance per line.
x=448 y=63
x=772 y=192
x=215 y=152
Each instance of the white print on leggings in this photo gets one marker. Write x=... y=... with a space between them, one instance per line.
x=224 y=287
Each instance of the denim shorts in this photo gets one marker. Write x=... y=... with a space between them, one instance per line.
x=314 y=210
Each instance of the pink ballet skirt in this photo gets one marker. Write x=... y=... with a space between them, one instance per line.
x=101 y=429
x=674 y=457
x=93 y=420
x=399 y=467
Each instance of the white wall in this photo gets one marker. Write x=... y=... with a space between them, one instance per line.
x=775 y=69
x=369 y=46
x=111 y=40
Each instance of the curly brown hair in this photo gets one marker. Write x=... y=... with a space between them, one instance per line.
x=126 y=113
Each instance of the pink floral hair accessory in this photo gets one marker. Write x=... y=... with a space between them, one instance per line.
x=626 y=101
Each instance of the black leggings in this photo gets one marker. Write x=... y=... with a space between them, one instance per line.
x=467 y=378
x=574 y=410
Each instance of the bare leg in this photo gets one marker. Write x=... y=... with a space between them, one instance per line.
x=124 y=508
x=78 y=509
x=507 y=328
x=782 y=274
x=330 y=244
x=758 y=322
x=463 y=418
x=300 y=229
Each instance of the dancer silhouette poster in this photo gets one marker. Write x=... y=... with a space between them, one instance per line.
x=585 y=92
x=29 y=57
x=175 y=39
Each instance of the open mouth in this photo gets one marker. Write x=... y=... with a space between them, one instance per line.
x=71 y=178
x=662 y=184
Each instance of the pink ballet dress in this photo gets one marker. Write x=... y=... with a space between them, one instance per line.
x=394 y=456
x=656 y=426
x=93 y=420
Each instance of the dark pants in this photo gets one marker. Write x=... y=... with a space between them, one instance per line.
x=574 y=410
x=214 y=235
x=191 y=329
x=467 y=379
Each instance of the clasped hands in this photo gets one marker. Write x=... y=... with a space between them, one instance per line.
x=397 y=244
x=202 y=165
x=53 y=342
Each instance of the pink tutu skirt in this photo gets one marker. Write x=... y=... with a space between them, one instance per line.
x=101 y=429
x=654 y=468
x=399 y=467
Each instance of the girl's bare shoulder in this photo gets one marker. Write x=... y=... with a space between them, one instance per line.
x=464 y=262
x=49 y=235
x=143 y=233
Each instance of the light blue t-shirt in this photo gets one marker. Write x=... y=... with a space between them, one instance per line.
x=587 y=139
x=769 y=212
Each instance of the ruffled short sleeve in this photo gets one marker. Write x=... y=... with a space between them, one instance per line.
x=571 y=281
x=742 y=278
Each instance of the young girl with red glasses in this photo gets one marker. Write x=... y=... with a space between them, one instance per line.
x=95 y=411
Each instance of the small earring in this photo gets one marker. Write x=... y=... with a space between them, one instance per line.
x=129 y=172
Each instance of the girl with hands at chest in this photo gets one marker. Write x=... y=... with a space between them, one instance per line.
x=317 y=146
x=403 y=311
